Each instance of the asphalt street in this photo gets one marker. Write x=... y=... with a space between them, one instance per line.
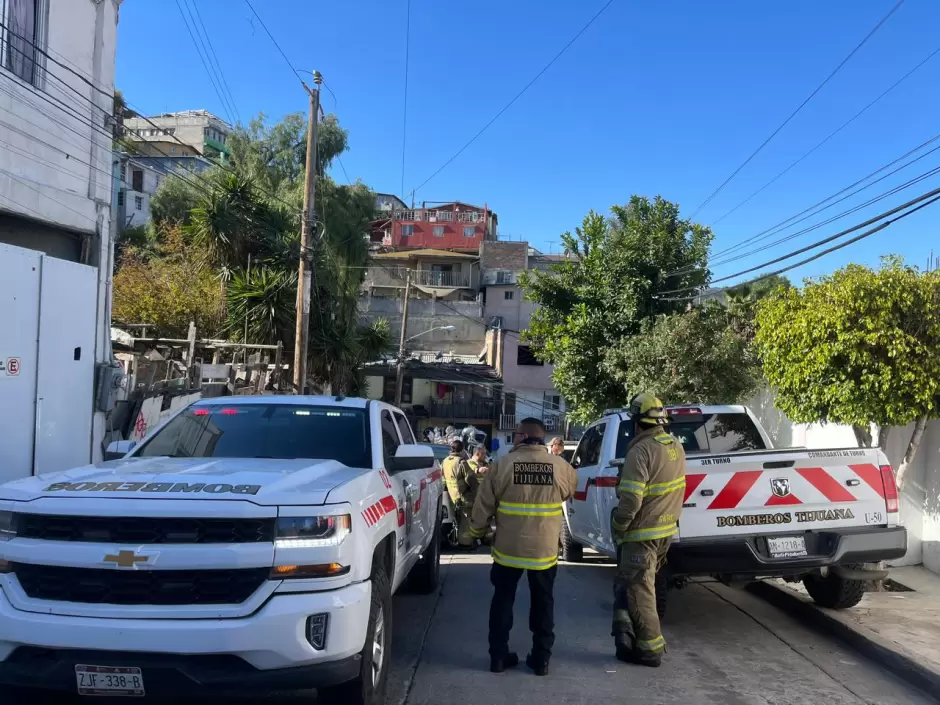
x=726 y=647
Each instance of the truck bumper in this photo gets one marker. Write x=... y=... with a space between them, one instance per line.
x=267 y=651
x=748 y=556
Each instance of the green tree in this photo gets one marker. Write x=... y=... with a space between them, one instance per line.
x=174 y=202
x=618 y=275
x=694 y=357
x=168 y=290
x=857 y=347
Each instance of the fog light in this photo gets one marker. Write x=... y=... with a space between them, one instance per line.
x=316 y=630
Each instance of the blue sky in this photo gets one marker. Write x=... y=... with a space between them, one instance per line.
x=660 y=98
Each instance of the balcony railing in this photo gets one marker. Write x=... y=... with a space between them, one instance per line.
x=433 y=216
x=507 y=422
x=428 y=277
x=554 y=423
x=464 y=410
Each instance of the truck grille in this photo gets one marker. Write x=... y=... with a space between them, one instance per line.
x=143 y=530
x=139 y=587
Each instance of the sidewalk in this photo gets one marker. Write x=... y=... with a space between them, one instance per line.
x=900 y=629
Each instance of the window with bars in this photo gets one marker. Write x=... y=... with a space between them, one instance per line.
x=139 y=202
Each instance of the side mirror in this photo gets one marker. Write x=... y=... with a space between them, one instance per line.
x=118 y=449
x=616 y=463
x=411 y=456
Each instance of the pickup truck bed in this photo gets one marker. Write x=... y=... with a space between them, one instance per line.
x=754 y=512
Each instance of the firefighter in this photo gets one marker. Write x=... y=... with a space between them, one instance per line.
x=651 y=492
x=524 y=491
x=458 y=478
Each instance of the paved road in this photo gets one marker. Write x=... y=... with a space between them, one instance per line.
x=726 y=647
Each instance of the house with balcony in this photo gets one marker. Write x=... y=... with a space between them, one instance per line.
x=455 y=226
x=187 y=133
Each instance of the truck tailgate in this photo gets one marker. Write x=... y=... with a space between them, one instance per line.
x=782 y=492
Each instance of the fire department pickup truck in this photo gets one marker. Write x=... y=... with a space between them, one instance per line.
x=826 y=517
x=249 y=543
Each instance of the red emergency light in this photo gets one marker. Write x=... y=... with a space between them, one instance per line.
x=684 y=411
x=229 y=412
x=200 y=412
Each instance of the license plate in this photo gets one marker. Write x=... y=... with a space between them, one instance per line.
x=787 y=546
x=109 y=680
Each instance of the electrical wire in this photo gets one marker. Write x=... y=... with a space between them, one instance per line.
x=210 y=72
x=831 y=134
x=516 y=97
x=227 y=90
x=841 y=245
x=274 y=41
x=806 y=212
x=798 y=109
x=923 y=200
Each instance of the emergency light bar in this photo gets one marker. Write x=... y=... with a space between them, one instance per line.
x=684 y=411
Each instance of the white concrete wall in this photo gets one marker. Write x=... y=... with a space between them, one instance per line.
x=920 y=494
x=56 y=160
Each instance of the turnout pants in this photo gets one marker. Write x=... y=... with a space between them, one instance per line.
x=636 y=621
x=541 y=612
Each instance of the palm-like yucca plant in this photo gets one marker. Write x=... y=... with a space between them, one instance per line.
x=266 y=298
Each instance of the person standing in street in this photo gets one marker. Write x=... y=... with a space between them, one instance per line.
x=557 y=446
x=461 y=484
x=524 y=491
x=651 y=492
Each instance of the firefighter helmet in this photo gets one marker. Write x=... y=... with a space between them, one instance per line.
x=648 y=409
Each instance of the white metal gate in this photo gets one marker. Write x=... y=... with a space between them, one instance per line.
x=47 y=338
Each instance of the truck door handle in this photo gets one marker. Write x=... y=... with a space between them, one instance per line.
x=707 y=493
x=591 y=481
x=777 y=464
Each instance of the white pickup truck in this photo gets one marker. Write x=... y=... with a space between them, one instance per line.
x=247 y=544
x=826 y=517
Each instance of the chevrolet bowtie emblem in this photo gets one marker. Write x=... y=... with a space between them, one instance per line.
x=126 y=559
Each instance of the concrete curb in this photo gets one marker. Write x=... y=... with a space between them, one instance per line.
x=886 y=653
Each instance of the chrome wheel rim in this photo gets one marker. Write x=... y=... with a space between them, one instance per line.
x=378 y=647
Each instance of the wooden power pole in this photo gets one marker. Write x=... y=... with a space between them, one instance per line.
x=309 y=222
x=400 y=370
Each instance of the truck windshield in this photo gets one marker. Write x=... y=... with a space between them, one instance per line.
x=277 y=431
x=707 y=433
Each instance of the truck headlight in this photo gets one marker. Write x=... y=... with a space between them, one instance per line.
x=309 y=532
x=7 y=526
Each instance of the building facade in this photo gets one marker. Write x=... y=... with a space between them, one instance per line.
x=56 y=246
x=182 y=134
x=443 y=226
x=135 y=184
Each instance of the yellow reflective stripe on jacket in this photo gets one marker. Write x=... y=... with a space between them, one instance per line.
x=657 y=644
x=633 y=487
x=477 y=533
x=520 y=509
x=653 y=532
x=524 y=563
x=661 y=488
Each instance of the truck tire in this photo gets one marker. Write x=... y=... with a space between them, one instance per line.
x=834 y=592
x=368 y=688
x=425 y=577
x=571 y=550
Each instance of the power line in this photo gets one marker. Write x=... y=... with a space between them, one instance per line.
x=210 y=72
x=890 y=192
x=404 y=119
x=516 y=97
x=223 y=82
x=274 y=41
x=831 y=134
x=924 y=200
x=806 y=212
x=818 y=255
x=798 y=109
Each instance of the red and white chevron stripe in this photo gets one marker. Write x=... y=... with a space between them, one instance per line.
x=374 y=513
x=816 y=485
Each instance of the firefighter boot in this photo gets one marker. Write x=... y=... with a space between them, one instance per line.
x=498 y=665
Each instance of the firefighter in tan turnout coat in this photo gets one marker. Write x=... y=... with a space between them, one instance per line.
x=651 y=492
x=525 y=492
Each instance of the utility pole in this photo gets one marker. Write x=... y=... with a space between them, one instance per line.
x=400 y=371
x=305 y=266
